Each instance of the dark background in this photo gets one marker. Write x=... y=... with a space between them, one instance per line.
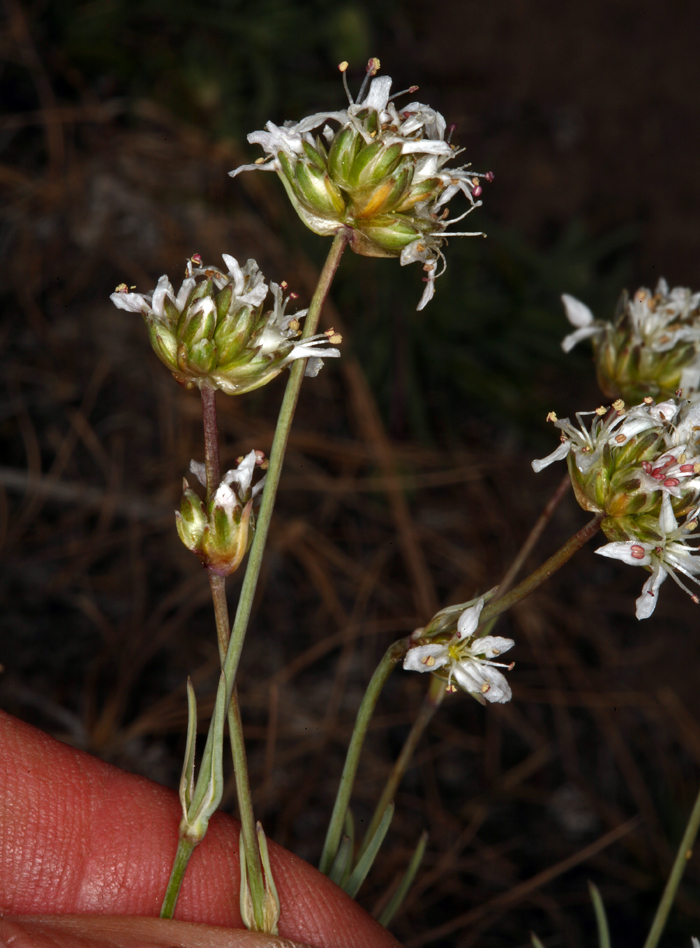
x=121 y=121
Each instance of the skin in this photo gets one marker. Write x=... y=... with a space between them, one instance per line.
x=85 y=856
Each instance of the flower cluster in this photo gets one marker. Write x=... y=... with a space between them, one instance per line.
x=641 y=468
x=381 y=175
x=216 y=331
x=220 y=532
x=456 y=656
x=652 y=349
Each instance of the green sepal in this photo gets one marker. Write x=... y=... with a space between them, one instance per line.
x=342 y=154
x=171 y=311
x=318 y=191
x=201 y=357
x=313 y=156
x=390 y=232
x=223 y=302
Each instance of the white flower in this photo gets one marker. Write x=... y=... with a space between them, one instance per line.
x=466 y=660
x=671 y=554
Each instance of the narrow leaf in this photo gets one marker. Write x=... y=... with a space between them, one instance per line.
x=397 y=898
x=365 y=864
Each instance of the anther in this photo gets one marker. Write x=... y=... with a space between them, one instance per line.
x=637 y=551
x=429 y=660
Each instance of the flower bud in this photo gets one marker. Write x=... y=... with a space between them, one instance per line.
x=216 y=331
x=380 y=175
x=220 y=532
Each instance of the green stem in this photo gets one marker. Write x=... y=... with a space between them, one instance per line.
x=679 y=864
x=534 y=535
x=431 y=703
x=185 y=848
x=496 y=606
x=279 y=444
x=395 y=653
x=240 y=761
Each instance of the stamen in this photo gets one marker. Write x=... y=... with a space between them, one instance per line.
x=372 y=70
x=343 y=69
x=409 y=91
x=429 y=660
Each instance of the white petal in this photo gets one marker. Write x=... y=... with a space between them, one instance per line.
x=568 y=342
x=664 y=411
x=224 y=497
x=313 y=367
x=184 y=292
x=483 y=680
x=667 y=519
x=647 y=601
x=469 y=619
x=132 y=302
x=623 y=551
x=242 y=475
x=577 y=313
x=378 y=94
x=491 y=646
x=199 y=469
x=234 y=270
x=163 y=288
x=558 y=455
x=414 y=660
x=429 y=291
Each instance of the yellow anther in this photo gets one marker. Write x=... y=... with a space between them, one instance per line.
x=619 y=405
x=342 y=66
x=429 y=661
x=122 y=288
x=648 y=400
x=552 y=416
x=485 y=687
x=259 y=161
x=602 y=410
x=451 y=689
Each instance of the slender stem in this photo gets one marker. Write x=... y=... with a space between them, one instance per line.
x=240 y=761
x=394 y=654
x=682 y=856
x=211 y=440
x=279 y=444
x=185 y=848
x=431 y=703
x=534 y=535
x=523 y=589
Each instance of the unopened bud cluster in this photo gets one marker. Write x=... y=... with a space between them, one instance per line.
x=641 y=468
x=380 y=174
x=216 y=331
x=221 y=530
x=651 y=349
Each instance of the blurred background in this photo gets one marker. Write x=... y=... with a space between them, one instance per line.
x=408 y=483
